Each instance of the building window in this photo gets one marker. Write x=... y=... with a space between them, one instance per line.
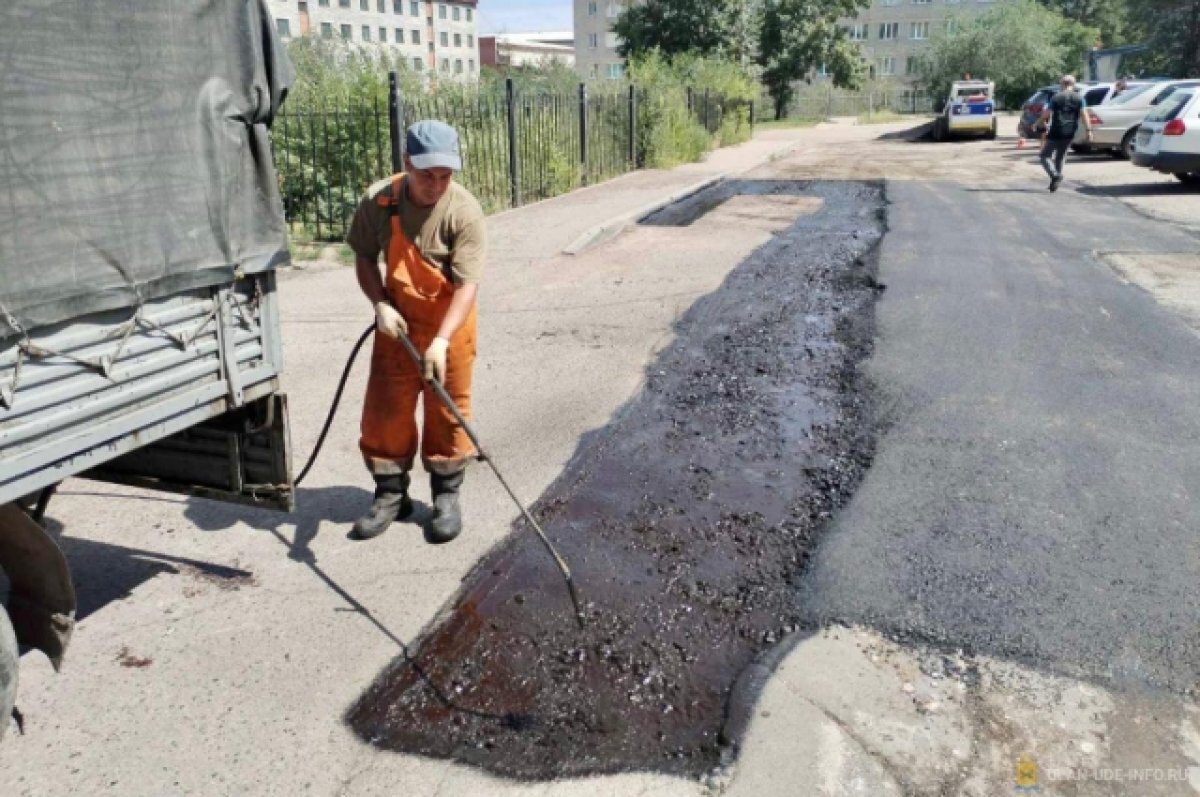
x=888 y=2
x=326 y=30
x=347 y=34
x=458 y=66
x=458 y=40
x=823 y=71
x=457 y=13
x=344 y=3
x=441 y=12
x=364 y=5
x=858 y=32
x=616 y=71
x=398 y=7
x=366 y=33
x=471 y=65
x=416 y=37
x=469 y=15
x=381 y=6
x=446 y=65
x=470 y=40
x=910 y=66
x=888 y=30
x=323 y=3
x=887 y=66
x=920 y=30
x=418 y=65
x=593 y=40
x=383 y=35
x=593 y=9
x=414 y=8
x=444 y=39
x=399 y=35
x=284 y=27
x=595 y=70
x=922 y=2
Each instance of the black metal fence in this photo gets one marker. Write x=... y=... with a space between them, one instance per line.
x=827 y=103
x=517 y=148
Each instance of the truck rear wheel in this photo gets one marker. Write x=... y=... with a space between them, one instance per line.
x=991 y=136
x=1188 y=178
x=10 y=656
x=939 y=129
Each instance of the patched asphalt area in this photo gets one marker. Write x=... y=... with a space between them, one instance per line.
x=686 y=523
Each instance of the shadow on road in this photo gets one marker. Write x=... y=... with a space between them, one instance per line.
x=1139 y=189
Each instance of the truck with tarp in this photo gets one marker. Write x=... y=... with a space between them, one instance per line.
x=141 y=231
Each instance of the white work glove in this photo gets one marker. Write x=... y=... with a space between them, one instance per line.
x=435 y=360
x=389 y=321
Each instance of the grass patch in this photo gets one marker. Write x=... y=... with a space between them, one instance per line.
x=785 y=124
x=303 y=248
x=882 y=118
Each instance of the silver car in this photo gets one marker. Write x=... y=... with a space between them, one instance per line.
x=1115 y=123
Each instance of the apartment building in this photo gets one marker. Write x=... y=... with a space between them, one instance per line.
x=433 y=36
x=527 y=49
x=595 y=43
x=892 y=32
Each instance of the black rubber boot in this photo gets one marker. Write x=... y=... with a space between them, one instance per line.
x=391 y=503
x=446 y=523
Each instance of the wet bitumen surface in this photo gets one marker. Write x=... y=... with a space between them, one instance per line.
x=686 y=523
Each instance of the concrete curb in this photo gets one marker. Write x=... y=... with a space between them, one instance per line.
x=613 y=227
x=608 y=230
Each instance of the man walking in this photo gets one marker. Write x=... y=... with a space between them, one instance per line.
x=1062 y=116
x=432 y=233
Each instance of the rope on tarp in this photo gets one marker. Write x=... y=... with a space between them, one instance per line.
x=27 y=349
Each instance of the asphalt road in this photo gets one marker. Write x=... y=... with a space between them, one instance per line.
x=1033 y=496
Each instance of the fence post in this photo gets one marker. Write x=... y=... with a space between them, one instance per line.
x=706 y=127
x=689 y=100
x=870 y=104
x=751 y=116
x=633 y=126
x=583 y=131
x=514 y=169
x=829 y=104
x=395 y=122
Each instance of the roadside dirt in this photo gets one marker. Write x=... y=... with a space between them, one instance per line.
x=686 y=526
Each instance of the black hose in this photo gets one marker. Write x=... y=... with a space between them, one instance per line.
x=337 y=399
x=563 y=568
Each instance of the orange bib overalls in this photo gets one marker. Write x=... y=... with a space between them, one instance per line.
x=422 y=294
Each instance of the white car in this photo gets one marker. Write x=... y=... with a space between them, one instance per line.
x=1115 y=124
x=1169 y=138
x=970 y=109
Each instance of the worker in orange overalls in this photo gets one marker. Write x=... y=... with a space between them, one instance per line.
x=432 y=233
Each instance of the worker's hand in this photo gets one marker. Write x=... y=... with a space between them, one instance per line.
x=435 y=360
x=389 y=321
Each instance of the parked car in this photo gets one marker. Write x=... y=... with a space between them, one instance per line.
x=1169 y=137
x=1032 y=110
x=1094 y=94
x=969 y=109
x=1115 y=124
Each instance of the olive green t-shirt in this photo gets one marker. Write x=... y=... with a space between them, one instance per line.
x=451 y=235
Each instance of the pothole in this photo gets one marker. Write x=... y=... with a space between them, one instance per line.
x=686 y=526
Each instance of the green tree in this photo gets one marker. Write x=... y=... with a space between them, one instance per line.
x=1109 y=17
x=798 y=36
x=1019 y=46
x=1172 y=29
x=671 y=27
